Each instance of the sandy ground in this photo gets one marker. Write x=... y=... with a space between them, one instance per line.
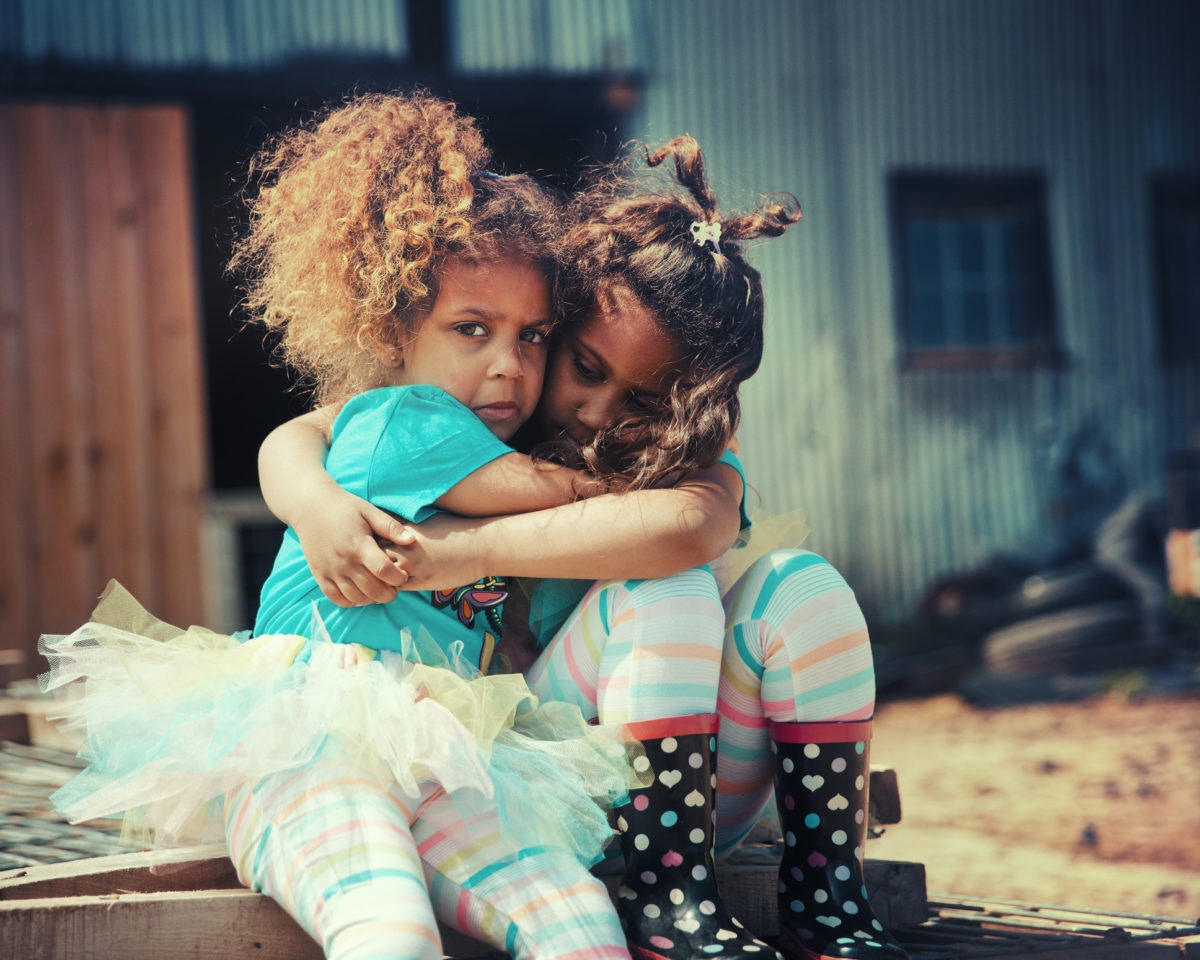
x=1093 y=804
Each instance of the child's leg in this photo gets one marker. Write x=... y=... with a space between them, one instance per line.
x=647 y=653
x=535 y=903
x=335 y=850
x=638 y=650
x=796 y=649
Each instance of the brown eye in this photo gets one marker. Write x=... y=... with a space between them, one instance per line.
x=585 y=371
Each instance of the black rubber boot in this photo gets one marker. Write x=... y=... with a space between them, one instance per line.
x=822 y=775
x=668 y=900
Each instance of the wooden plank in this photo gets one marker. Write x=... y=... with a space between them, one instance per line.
x=42 y=222
x=79 y=390
x=200 y=925
x=160 y=140
x=188 y=887
x=897 y=889
x=17 y=530
x=204 y=867
x=100 y=367
x=121 y=468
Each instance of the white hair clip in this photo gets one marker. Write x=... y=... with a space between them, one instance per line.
x=702 y=233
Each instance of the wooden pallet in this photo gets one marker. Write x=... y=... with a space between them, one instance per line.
x=188 y=905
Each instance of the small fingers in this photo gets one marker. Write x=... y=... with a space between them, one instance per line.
x=343 y=593
x=375 y=590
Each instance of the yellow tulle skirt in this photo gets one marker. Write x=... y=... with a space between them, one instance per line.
x=173 y=719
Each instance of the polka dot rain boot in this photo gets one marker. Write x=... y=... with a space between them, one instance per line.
x=668 y=900
x=822 y=775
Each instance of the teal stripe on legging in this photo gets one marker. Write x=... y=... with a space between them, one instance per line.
x=363 y=876
x=772 y=580
x=524 y=854
x=835 y=687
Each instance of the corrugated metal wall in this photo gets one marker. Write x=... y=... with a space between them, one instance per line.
x=157 y=34
x=562 y=36
x=908 y=474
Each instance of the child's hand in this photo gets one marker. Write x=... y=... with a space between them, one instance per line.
x=440 y=554
x=340 y=544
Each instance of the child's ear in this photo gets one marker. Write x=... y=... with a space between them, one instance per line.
x=388 y=354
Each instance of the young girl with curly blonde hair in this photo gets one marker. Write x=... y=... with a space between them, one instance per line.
x=340 y=747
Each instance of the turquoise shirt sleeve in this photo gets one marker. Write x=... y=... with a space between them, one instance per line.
x=731 y=458
x=403 y=448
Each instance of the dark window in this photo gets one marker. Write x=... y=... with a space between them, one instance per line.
x=1177 y=222
x=973 y=272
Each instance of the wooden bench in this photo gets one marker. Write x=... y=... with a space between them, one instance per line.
x=187 y=904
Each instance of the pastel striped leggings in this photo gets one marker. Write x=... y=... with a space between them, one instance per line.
x=367 y=874
x=788 y=643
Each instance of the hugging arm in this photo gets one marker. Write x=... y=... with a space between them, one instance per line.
x=337 y=530
x=340 y=532
x=640 y=534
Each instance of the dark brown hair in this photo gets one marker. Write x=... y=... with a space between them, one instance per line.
x=704 y=295
x=352 y=217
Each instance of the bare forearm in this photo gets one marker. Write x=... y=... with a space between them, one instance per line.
x=513 y=484
x=645 y=534
x=628 y=538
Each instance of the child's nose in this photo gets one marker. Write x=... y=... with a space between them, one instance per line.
x=508 y=361
x=598 y=411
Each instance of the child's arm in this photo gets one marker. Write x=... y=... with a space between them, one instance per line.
x=337 y=530
x=638 y=534
x=514 y=483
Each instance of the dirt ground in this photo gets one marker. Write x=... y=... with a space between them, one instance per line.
x=1091 y=804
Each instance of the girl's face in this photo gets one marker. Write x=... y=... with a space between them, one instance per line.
x=614 y=364
x=483 y=341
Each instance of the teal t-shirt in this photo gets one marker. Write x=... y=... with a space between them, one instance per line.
x=552 y=600
x=400 y=448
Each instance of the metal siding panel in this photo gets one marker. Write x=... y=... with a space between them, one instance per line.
x=554 y=36
x=164 y=34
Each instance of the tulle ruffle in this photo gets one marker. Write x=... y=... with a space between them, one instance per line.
x=172 y=720
x=767 y=532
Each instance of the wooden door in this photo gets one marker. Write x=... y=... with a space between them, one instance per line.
x=104 y=452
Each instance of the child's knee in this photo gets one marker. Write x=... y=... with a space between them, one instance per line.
x=695 y=587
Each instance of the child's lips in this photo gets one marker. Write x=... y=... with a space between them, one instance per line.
x=498 y=412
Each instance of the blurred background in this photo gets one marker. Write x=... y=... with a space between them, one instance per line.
x=981 y=378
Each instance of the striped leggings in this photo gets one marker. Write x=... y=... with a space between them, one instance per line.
x=366 y=871
x=788 y=643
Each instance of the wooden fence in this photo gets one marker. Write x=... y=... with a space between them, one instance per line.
x=104 y=453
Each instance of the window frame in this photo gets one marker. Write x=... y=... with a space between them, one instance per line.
x=959 y=195
x=1173 y=194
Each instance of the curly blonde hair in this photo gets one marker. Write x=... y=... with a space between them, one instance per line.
x=641 y=237
x=352 y=217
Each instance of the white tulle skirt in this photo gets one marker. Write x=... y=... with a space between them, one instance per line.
x=171 y=720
